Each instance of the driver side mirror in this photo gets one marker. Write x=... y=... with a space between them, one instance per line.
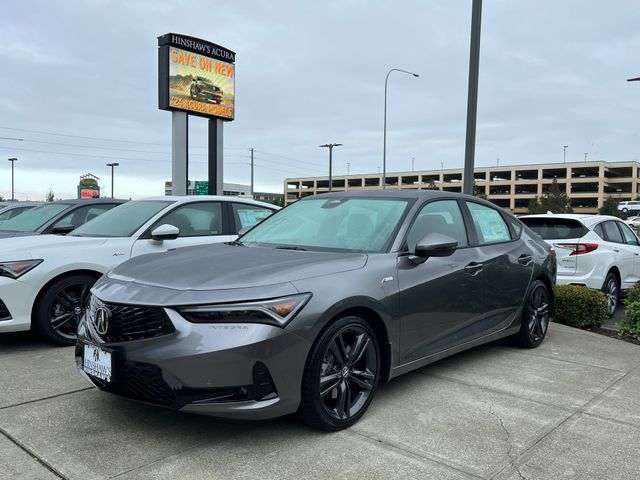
x=62 y=229
x=165 y=232
x=434 y=245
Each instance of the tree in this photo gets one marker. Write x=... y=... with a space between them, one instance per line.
x=50 y=196
x=431 y=185
x=1 y=198
x=478 y=191
x=610 y=207
x=555 y=201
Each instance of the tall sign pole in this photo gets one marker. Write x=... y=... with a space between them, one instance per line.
x=472 y=99
x=195 y=77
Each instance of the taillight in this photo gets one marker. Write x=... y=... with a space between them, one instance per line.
x=579 y=248
x=553 y=252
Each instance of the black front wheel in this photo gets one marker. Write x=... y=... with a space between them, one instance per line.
x=535 y=316
x=341 y=375
x=611 y=290
x=61 y=307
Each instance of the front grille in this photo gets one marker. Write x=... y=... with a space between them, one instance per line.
x=140 y=381
x=130 y=322
x=4 y=311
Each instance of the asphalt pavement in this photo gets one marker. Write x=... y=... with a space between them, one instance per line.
x=569 y=409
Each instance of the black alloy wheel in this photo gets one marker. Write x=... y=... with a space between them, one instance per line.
x=341 y=375
x=61 y=308
x=612 y=293
x=535 y=316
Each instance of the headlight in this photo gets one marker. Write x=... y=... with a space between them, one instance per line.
x=17 y=269
x=278 y=311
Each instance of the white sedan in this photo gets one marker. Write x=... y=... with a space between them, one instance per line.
x=597 y=251
x=44 y=279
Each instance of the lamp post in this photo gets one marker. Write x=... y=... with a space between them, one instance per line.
x=564 y=153
x=112 y=165
x=13 y=161
x=348 y=168
x=330 y=147
x=384 y=140
x=633 y=79
x=586 y=154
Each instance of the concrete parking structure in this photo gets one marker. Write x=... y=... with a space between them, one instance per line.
x=568 y=409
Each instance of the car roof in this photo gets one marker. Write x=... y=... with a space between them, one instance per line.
x=75 y=201
x=586 y=219
x=204 y=198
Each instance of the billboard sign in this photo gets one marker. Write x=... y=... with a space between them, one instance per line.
x=201 y=188
x=196 y=76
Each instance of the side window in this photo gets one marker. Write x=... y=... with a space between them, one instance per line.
x=629 y=237
x=599 y=231
x=442 y=216
x=82 y=215
x=195 y=219
x=611 y=232
x=247 y=215
x=490 y=226
x=14 y=212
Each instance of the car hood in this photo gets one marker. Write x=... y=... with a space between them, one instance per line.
x=228 y=266
x=38 y=246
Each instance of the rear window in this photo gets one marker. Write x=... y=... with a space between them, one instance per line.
x=555 y=228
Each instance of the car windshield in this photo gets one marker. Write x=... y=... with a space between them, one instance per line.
x=123 y=220
x=341 y=224
x=33 y=219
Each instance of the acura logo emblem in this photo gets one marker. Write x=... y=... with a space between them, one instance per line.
x=102 y=320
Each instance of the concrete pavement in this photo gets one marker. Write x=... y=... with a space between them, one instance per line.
x=569 y=409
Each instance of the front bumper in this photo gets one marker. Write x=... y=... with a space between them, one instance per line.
x=247 y=371
x=17 y=298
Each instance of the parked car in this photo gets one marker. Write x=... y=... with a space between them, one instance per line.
x=59 y=217
x=311 y=309
x=203 y=89
x=597 y=251
x=44 y=280
x=9 y=210
x=633 y=222
x=631 y=206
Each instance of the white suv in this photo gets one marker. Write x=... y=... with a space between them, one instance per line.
x=598 y=251
x=626 y=207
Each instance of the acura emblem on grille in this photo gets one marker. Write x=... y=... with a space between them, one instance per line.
x=101 y=321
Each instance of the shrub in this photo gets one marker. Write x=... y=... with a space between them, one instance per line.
x=580 y=307
x=633 y=294
x=630 y=326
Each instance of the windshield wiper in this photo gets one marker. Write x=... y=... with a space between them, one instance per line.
x=291 y=247
x=237 y=243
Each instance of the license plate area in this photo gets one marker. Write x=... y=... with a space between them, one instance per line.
x=97 y=362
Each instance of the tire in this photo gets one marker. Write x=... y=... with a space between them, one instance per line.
x=611 y=289
x=349 y=383
x=535 y=316
x=63 y=300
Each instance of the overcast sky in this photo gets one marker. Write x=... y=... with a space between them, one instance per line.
x=79 y=86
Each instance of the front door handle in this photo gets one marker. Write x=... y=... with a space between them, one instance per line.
x=616 y=250
x=473 y=268
x=524 y=259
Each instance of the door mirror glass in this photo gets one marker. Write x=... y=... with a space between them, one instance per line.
x=165 y=232
x=62 y=229
x=436 y=245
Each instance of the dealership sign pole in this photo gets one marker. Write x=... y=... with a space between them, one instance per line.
x=195 y=77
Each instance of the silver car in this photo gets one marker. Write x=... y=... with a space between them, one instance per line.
x=311 y=309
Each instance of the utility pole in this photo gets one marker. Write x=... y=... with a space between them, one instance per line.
x=472 y=100
x=13 y=196
x=330 y=147
x=564 y=153
x=112 y=165
x=413 y=164
x=348 y=167
x=585 y=156
x=252 y=165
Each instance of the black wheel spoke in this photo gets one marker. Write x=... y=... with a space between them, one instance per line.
x=61 y=320
x=64 y=299
x=362 y=342
x=362 y=379
x=328 y=383
x=343 y=349
x=341 y=403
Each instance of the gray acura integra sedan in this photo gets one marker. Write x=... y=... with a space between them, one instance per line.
x=314 y=307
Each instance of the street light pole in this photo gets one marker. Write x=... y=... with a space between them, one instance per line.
x=384 y=139
x=585 y=156
x=564 y=153
x=13 y=196
x=252 y=173
x=633 y=79
x=348 y=168
x=112 y=165
x=472 y=99
x=330 y=147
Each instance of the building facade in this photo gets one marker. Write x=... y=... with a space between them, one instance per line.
x=512 y=187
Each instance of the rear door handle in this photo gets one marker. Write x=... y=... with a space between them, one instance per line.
x=615 y=250
x=473 y=268
x=524 y=259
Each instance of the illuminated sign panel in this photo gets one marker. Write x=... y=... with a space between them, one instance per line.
x=196 y=77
